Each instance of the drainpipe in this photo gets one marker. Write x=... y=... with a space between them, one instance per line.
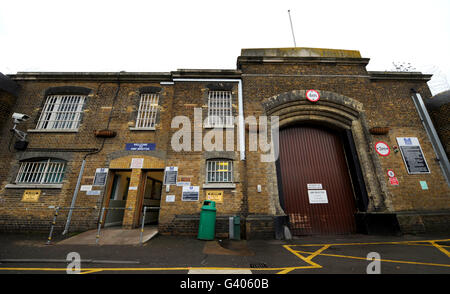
x=80 y=175
x=441 y=156
x=240 y=108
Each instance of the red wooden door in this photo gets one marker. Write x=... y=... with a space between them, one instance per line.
x=315 y=155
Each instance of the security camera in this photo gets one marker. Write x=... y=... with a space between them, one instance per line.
x=19 y=117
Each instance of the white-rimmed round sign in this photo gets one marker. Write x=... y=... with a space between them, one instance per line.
x=390 y=173
x=382 y=148
x=312 y=95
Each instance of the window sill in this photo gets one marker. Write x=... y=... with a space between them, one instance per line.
x=142 y=129
x=218 y=127
x=34 y=186
x=219 y=186
x=52 y=131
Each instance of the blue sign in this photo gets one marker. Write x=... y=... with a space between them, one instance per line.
x=140 y=146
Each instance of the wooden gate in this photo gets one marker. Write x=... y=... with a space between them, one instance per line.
x=315 y=155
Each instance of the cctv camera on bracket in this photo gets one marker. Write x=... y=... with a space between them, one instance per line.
x=19 y=117
x=21 y=144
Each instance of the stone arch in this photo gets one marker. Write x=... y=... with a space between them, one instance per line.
x=339 y=112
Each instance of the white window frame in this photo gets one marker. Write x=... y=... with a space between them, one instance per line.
x=147 y=112
x=45 y=171
x=61 y=113
x=220 y=109
x=216 y=174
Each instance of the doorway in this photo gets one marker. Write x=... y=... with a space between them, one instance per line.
x=117 y=197
x=316 y=186
x=151 y=196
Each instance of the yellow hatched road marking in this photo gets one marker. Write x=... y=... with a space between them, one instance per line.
x=379 y=243
x=383 y=260
x=441 y=248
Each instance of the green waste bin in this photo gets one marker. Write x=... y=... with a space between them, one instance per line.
x=207 y=226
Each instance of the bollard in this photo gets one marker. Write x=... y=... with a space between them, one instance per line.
x=52 y=227
x=99 y=226
x=142 y=228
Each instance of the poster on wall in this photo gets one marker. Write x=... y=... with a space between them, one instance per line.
x=101 y=175
x=216 y=196
x=412 y=155
x=170 y=175
x=190 y=193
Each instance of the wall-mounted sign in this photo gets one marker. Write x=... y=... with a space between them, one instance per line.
x=140 y=146
x=181 y=184
x=133 y=188
x=86 y=188
x=317 y=196
x=312 y=95
x=412 y=155
x=216 y=196
x=31 y=195
x=314 y=186
x=382 y=148
x=170 y=198
x=424 y=185
x=93 y=192
x=170 y=175
x=137 y=162
x=101 y=175
x=390 y=173
x=190 y=193
x=393 y=181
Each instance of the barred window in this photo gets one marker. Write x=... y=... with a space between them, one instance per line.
x=219 y=171
x=41 y=171
x=148 y=109
x=61 y=112
x=220 y=111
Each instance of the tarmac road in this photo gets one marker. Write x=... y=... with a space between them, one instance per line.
x=408 y=254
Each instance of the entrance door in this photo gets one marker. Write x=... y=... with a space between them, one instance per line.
x=151 y=196
x=315 y=155
x=118 y=193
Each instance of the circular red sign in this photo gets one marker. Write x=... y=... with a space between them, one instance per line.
x=312 y=95
x=390 y=173
x=382 y=148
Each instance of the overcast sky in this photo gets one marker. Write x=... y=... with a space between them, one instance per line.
x=155 y=36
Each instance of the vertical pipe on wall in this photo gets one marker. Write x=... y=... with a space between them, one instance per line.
x=74 y=197
x=432 y=135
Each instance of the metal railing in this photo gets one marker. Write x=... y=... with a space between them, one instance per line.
x=102 y=216
x=143 y=220
x=57 y=209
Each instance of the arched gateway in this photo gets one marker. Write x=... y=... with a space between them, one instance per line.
x=325 y=173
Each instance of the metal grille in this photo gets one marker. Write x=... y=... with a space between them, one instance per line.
x=48 y=171
x=219 y=171
x=220 y=112
x=61 y=112
x=148 y=109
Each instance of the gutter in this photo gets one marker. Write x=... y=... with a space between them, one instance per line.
x=240 y=107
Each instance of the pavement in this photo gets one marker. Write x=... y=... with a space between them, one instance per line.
x=112 y=236
x=344 y=254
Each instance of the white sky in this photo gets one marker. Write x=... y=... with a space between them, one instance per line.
x=155 y=36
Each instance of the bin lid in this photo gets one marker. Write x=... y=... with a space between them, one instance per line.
x=209 y=205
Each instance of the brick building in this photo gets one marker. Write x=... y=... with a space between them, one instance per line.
x=353 y=153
